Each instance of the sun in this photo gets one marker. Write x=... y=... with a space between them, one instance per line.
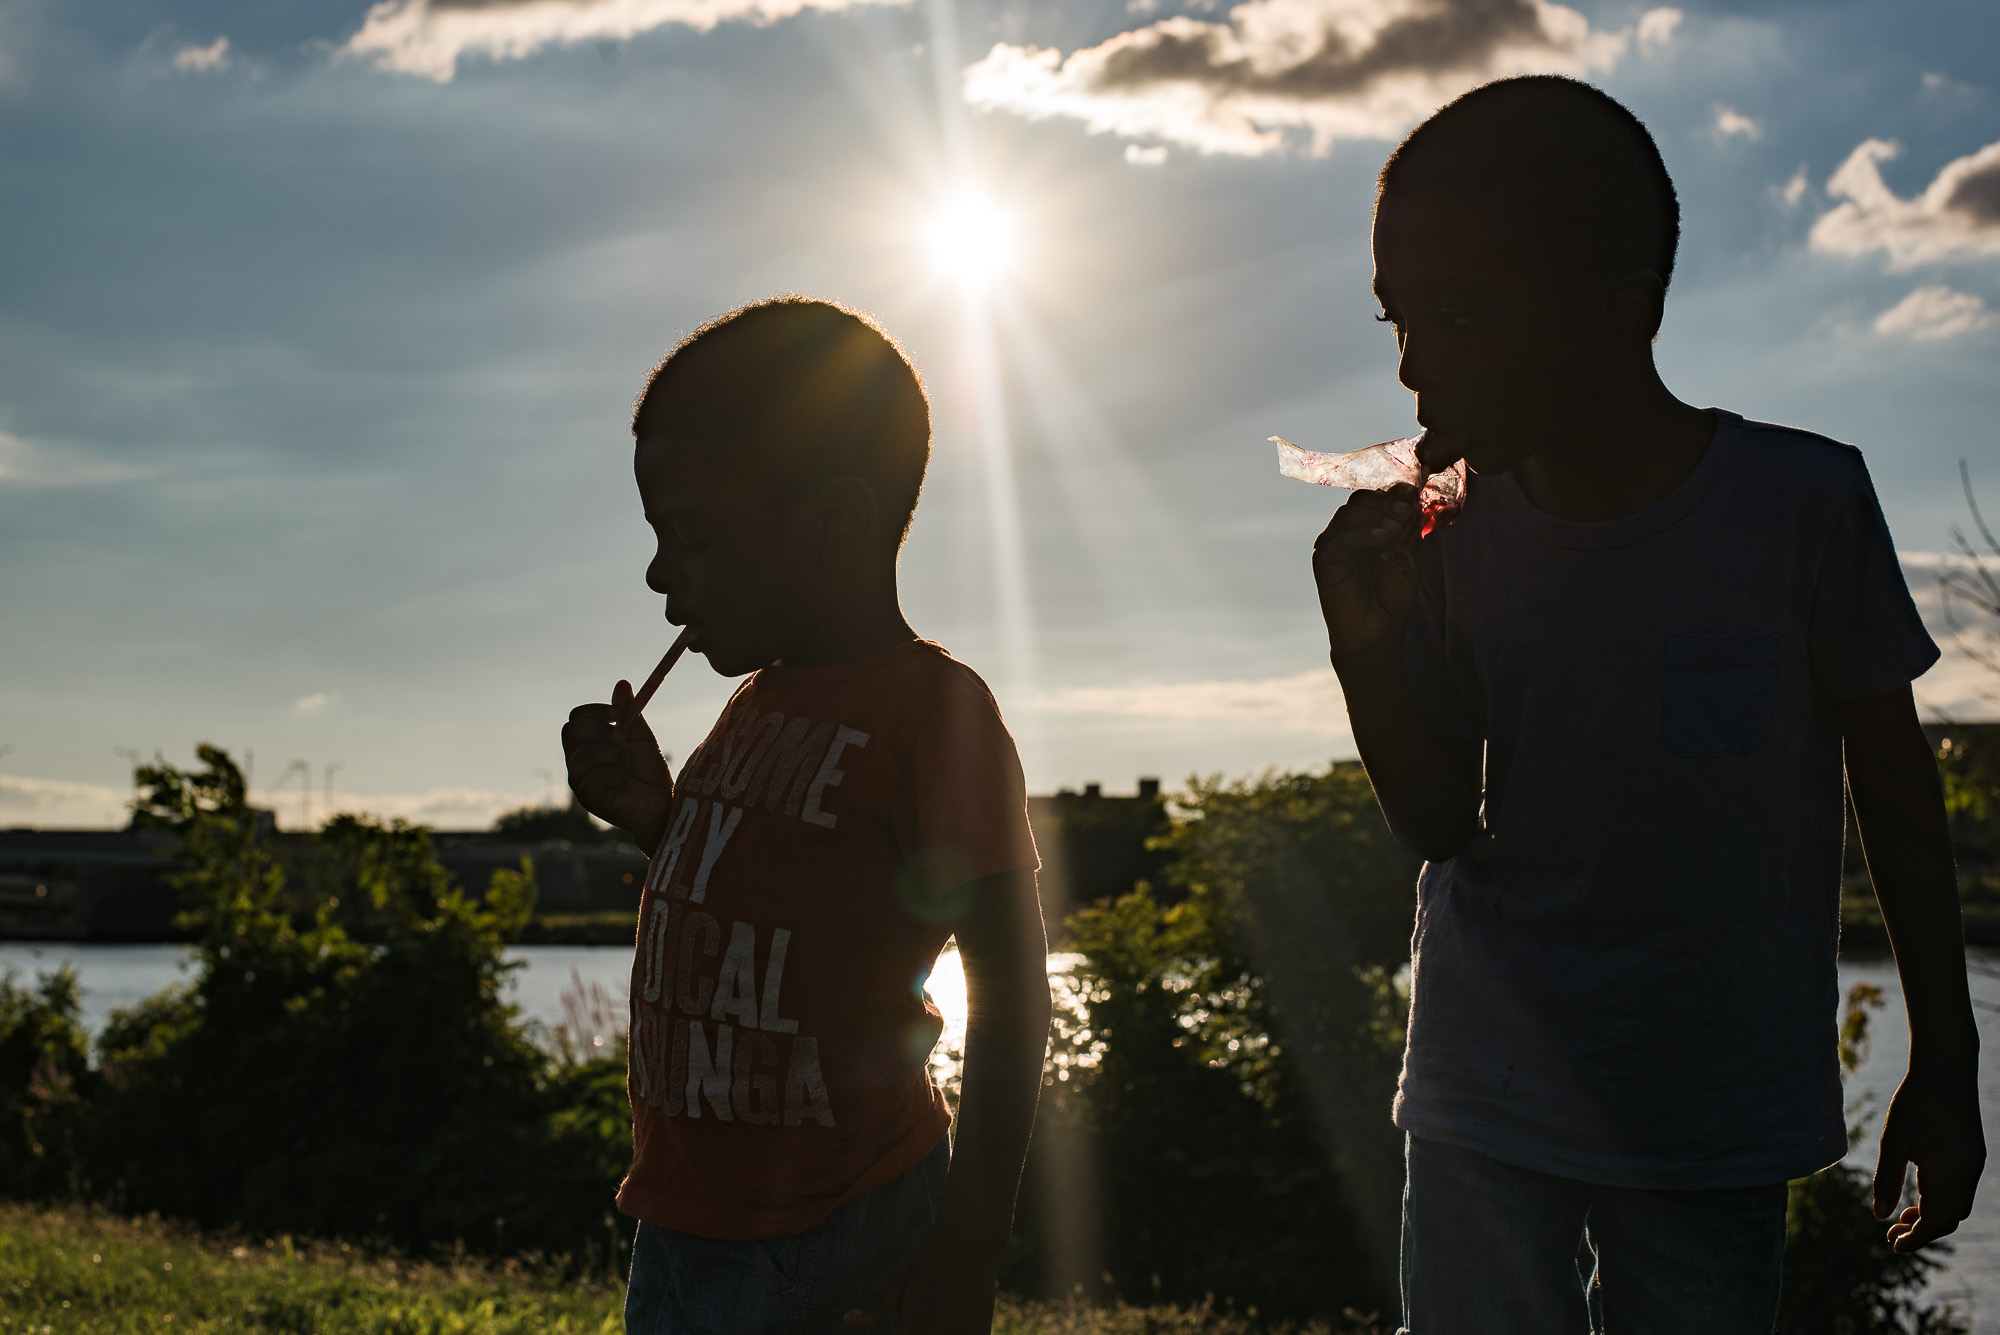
x=971 y=240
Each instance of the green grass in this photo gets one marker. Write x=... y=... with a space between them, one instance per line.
x=77 y=1270
x=73 y=1269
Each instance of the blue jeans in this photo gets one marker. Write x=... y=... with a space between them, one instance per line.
x=801 y=1284
x=1491 y=1249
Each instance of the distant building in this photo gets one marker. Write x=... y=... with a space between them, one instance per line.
x=1093 y=847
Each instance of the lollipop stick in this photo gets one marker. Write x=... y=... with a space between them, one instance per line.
x=652 y=683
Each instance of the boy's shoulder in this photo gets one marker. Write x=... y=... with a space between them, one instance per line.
x=1806 y=456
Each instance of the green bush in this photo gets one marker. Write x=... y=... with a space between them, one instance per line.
x=308 y=1081
x=45 y=1082
x=1215 y=1120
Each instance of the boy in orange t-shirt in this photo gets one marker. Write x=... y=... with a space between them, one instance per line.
x=858 y=804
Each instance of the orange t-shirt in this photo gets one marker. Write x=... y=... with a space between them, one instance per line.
x=780 y=1030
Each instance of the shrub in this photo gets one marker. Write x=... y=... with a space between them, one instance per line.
x=1184 y=1148
x=304 y=1081
x=45 y=1078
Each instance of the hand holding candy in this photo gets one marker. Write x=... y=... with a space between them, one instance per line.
x=1440 y=494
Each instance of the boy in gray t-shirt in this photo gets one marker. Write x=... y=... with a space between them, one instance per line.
x=1612 y=705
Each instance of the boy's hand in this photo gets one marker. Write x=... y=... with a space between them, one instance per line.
x=936 y=1289
x=616 y=769
x=1362 y=564
x=1932 y=1123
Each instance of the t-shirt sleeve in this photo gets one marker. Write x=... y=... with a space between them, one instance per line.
x=965 y=803
x=1427 y=662
x=1866 y=636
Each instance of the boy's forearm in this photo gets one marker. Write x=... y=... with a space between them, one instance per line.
x=1005 y=955
x=1428 y=795
x=1001 y=1083
x=1899 y=810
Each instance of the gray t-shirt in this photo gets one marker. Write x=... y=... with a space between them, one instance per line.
x=1627 y=977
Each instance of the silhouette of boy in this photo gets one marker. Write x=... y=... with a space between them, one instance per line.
x=858 y=803
x=1610 y=706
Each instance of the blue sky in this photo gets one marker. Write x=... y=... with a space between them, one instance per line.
x=320 y=326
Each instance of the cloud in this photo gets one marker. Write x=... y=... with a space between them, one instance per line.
x=1330 y=69
x=1932 y=313
x=1731 y=123
x=428 y=37
x=42 y=802
x=445 y=808
x=1657 y=28
x=306 y=704
x=210 y=59
x=1795 y=189
x=48 y=803
x=1307 y=702
x=24 y=463
x=1956 y=217
x=1146 y=157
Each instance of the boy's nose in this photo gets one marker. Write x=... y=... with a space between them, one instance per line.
x=1412 y=369
x=660 y=577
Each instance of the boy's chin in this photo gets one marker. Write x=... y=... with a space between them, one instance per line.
x=724 y=663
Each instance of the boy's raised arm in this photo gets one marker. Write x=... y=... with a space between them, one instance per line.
x=1428 y=785
x=947 y=1283
x=1933 y=1121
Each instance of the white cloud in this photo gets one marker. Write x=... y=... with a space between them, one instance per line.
x=1146 y=157
x=54 y=803
x=1965 y=684
x=1657 y=28
x=25 y=463
x=210 y=59
x=1956 y=217
x=1795 y=189
x=1327 y=69
x=444 y=808
x=1932 y=313
x=306 y=704
x=1307 y=702
x=1731 y=123
x=428 y=37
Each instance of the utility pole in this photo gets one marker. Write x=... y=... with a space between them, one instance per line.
x=304 y=771
x=326 y=786
x=548 y=787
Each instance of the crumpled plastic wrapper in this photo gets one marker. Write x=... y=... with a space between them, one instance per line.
x=1440 y=495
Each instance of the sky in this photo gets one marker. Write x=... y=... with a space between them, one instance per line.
x=321 y=324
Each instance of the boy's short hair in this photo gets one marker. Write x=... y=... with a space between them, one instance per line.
x=804 y=390
x=1567 y=158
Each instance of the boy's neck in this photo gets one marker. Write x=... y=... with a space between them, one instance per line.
x=1624 y=451
x=851 y=629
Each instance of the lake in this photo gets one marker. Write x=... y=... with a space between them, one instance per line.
x=119 y=975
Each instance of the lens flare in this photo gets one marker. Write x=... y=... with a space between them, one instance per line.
x=971 y=240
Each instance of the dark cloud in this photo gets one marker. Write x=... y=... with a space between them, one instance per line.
x=1464 y=35
x=1333 y=68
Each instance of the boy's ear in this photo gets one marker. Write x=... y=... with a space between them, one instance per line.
x=1637 y=303
x=846 y=519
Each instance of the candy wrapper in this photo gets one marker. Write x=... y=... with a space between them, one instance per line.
x=1440 y=495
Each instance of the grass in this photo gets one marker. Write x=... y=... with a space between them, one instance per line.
x=77 y=1270
x=74 y=1269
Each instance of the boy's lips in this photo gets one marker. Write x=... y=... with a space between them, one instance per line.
x=1442 y=446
